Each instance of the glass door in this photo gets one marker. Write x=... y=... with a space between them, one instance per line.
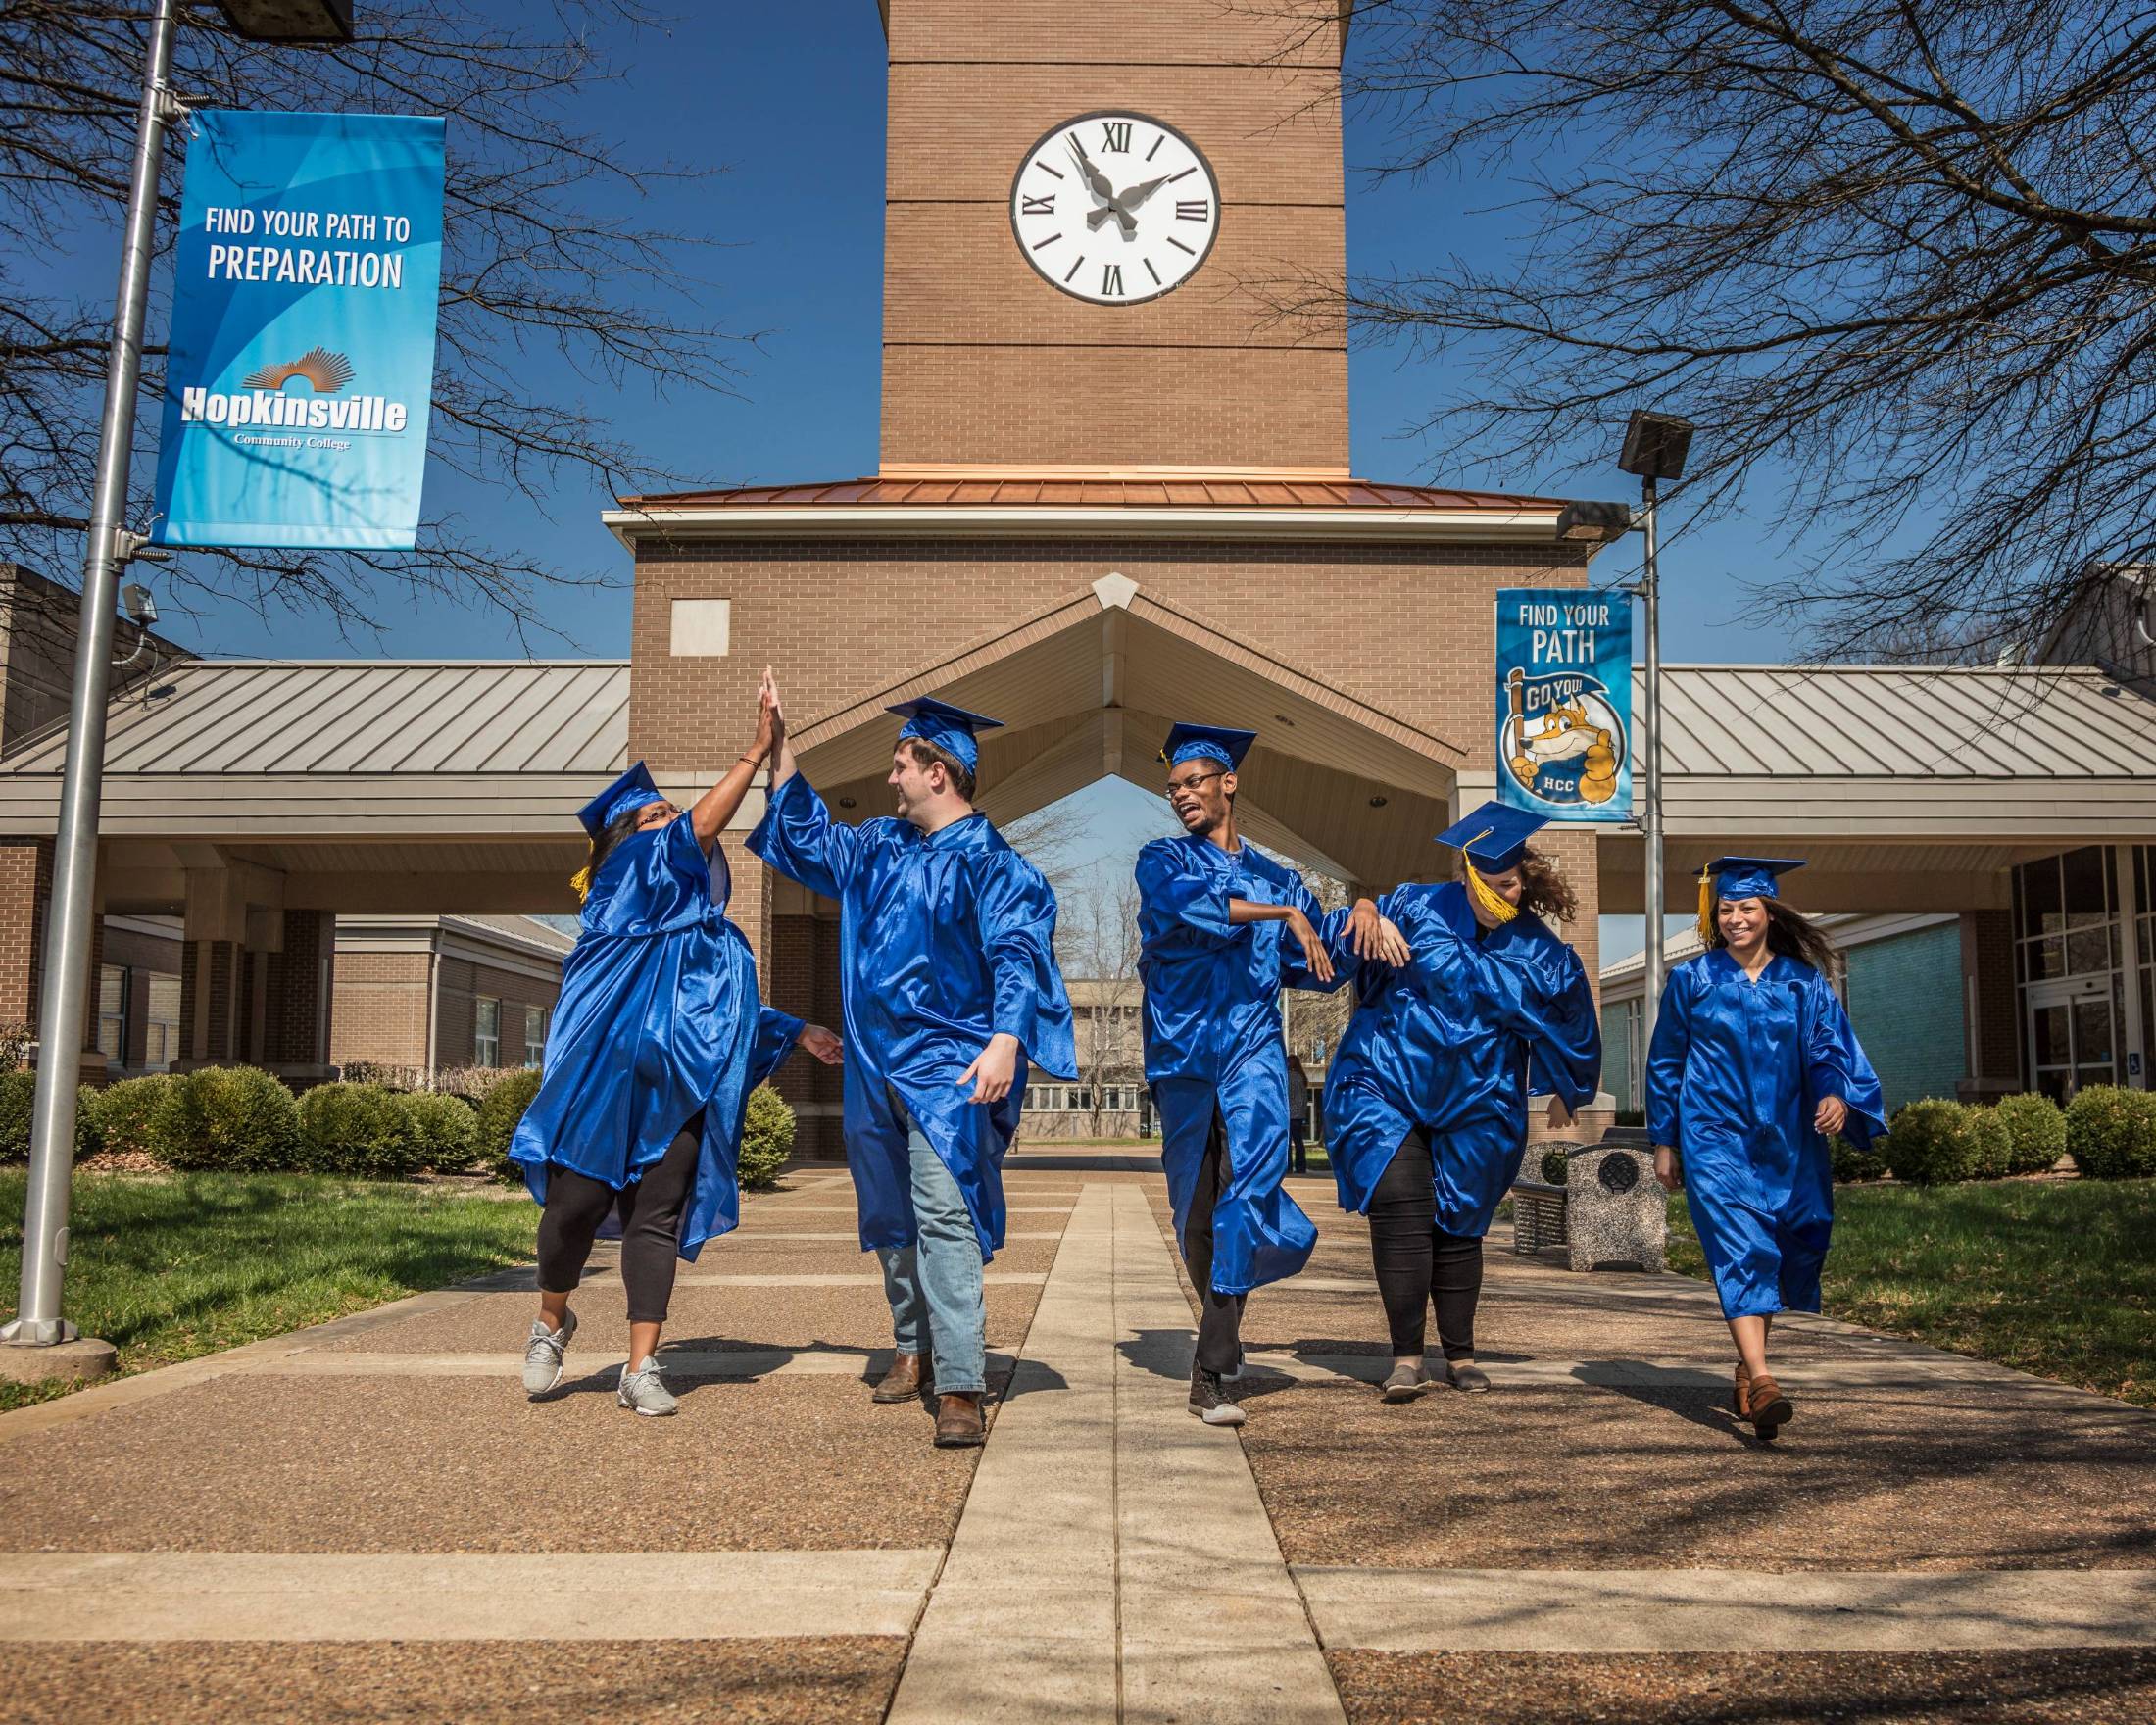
x=2073 y=1034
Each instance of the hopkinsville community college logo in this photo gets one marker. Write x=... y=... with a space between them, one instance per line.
x=1560 y=738
x=264 y=399
x=325 y=373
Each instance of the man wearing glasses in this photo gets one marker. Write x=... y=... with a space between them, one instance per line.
x=1222 y=927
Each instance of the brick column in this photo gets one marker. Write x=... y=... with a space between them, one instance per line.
x=212 y=997
x=25 y=888
x=295 y=1037
x=1992 y=1006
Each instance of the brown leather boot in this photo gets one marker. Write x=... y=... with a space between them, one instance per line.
x=1766 y=1406
x=904 y=1381
x=1740 y=1396
x=959 y=1424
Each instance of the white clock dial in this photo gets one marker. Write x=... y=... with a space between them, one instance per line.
x=1115 y=208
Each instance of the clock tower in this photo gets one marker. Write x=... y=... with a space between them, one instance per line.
x=1083 y=205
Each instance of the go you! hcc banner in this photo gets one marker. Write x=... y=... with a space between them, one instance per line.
x=302 y=349
x=1564 y=702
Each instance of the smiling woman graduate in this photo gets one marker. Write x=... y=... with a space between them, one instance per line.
x=1426 y=1103
x=656 y=1044
x=1753 y=1067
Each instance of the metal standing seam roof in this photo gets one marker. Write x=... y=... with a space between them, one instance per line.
x=452 y=718
x=1200 y=491
x=1902 y=722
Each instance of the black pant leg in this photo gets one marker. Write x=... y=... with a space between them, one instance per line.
x=1403 y=1237
x=651 y=1226
x=1298 y=1154
x=567 y=1224
x=1220 y=1315
x=1456 y=1287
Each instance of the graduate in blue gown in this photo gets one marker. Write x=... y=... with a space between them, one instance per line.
x=1753 y=1067
x=1426 y=1102
x=657 y=1040
x=1221 y=927
x=946 y=968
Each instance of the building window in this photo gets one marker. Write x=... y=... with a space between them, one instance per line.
x=535 y=1035
x=486 y=1032
x=161 y=1023
x=112 y=1013
x=2072 y=968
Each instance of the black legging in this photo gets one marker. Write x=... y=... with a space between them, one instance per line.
x=1419 y=1264
x=651 y=1226
x=1220 y=1315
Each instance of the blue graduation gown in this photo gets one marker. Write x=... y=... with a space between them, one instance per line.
x=658 y=1019
x=1734 y=1073
x=1454 y=1042
x=945 y=940
x=1213 y=1044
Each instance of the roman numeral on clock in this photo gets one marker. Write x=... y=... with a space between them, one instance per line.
x=1115 y=135
x=1111 y=279
x=1192 y=209
x=1033 y=206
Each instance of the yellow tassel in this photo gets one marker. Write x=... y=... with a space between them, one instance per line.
x=1706 y=906
x=580 y=883
x=1486 y=898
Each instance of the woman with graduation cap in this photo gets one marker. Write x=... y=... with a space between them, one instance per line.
x=1426 y=1103
x=1754 y=1065
x=947 y=976
x=657 y=1040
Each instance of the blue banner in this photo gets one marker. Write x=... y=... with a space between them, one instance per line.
x=1564 y=702
x=302 y=349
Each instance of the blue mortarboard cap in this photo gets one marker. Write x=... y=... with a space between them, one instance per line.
x=1750 y=877
x=951 y=728
x=1494 y=835
x=1212 y=742
x=632 y=790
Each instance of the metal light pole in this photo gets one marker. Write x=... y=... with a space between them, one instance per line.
x=63 y=996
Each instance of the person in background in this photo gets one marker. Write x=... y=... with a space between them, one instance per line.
x=657 y=1041
x=947 y=976
x=1754 y=1067
x=1426 y=1101
x=1298 y=1117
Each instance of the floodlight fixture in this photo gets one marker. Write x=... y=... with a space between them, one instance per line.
x=1593 y=521
x=1655 y=445
x=137 y=601
x=289 y=21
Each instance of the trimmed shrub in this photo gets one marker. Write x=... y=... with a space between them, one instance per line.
x=358 y=1130
x=2111 y=1132
x=446 y=1128
x=236 y=1118
x=767 y=1138
x=128 y=1114
x=2037 y=1130
x=18 y=1099
x=1852 y=1164
x=1935 y=1141
x=500 y=1109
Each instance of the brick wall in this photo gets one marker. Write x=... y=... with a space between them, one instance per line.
x=380 y=1009
x=462 y=983
x=1905 y=1000
x=1988 y=958
x=25 y=887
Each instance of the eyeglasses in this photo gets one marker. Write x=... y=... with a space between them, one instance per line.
x=1191 y=784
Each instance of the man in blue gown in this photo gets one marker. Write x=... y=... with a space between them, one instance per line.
x=950 y=987
x=1221 y=927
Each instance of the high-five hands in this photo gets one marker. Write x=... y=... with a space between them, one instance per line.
x=993 y=1068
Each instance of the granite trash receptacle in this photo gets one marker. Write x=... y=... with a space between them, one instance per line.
x=1538 y=1199
x=1616 y=1213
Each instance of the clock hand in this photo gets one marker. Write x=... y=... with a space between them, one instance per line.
x=1096 y=181
x=1123 y=203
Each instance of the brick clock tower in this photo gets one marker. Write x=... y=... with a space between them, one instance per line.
x=1082 y=206
x=1112 y=491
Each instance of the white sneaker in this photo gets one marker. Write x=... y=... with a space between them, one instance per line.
x=645 y=1390
x=543 y=1355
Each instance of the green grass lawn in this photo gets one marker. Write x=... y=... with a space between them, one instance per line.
x=2056 y=1277
x=169 y=1266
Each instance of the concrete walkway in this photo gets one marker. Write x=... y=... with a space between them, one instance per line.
x=368 y=1521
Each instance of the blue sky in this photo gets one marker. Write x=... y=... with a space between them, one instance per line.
x=787 y=103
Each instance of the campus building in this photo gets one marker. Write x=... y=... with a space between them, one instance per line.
x=1113 y=491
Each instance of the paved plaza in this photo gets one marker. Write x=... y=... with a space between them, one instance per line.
x=366 y=1520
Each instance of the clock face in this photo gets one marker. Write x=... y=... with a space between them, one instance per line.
x=1115 y=208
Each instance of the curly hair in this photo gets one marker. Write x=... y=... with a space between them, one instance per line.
x=1790 y=933
x=1544 y=891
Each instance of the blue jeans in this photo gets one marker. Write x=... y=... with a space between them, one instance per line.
x=934 y=1286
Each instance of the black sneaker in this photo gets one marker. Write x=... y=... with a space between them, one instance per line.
x=1206 y=1401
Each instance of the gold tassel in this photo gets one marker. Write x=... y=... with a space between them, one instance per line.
x=1486 y=898
x=580 y=883
x=1706 y=906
